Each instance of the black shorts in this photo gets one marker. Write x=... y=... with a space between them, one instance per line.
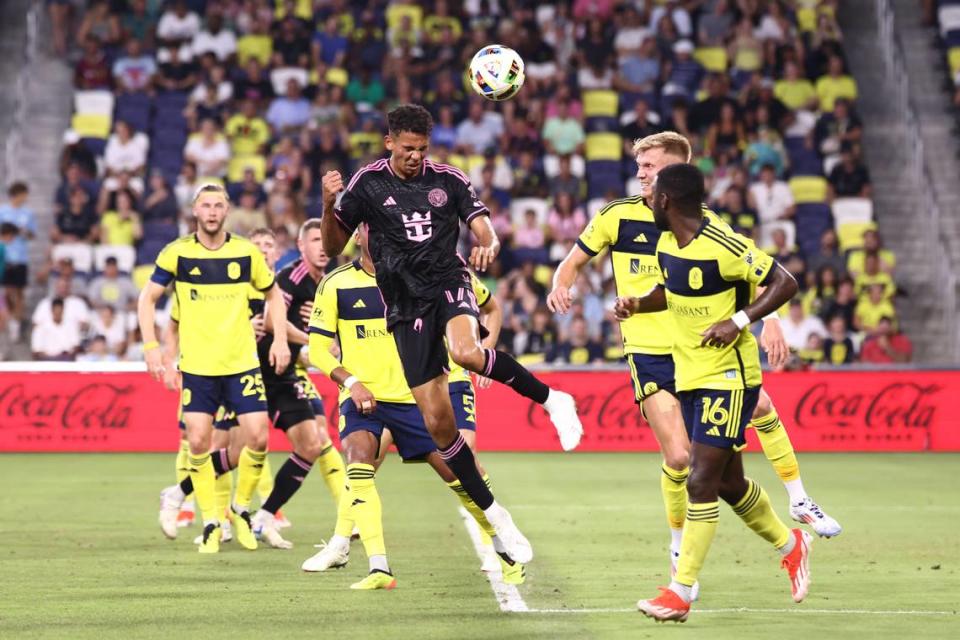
x=420 y=342
x=287 y=404
x=15 y=275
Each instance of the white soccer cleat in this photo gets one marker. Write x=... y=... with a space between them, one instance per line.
x=491 y=561
x=265 y=527
x=331 y=556
x=282 y=522
x=695 y=589
x=515 y=543
x=809 y=512
x=170 y=500
x=562 y=409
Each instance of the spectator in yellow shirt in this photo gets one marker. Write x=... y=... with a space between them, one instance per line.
x=871 y=244
x=247 y=131
x=795 y=91
x=836 y=84
x=121 y=226
x=872 y=274
x=872 y=308
x=439 y=20
x=257 y=44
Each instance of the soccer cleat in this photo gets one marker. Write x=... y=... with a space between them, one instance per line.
x=244 y=529
x=170 y=500
x=376 y=579
x=563 y=414
x=226 y=533
x=809 y=512
x=210 y=539
x=265 y=525
x=797 y=564
x=187 y=515
x=330 y=556
x=282 y=522
x=517 y=546
x=512 y=572
x=695 y=589
x=667 y=606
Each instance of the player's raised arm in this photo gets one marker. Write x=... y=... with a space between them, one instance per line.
x=335 y=235
x=654 y=300
x=488 y=245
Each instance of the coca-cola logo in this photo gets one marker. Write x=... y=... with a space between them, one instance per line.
x=900 y=405
x=95 y=406
x=611 y=414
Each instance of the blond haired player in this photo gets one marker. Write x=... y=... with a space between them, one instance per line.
x=626 y=228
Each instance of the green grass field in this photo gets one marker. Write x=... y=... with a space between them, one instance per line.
x=82 y=556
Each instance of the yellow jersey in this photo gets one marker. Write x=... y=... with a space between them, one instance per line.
x=348 y=306
x=706 y=282
x=626 y=227
x=211 y=288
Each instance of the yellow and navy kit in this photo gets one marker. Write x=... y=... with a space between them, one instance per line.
x=708 y=281
x=216 y=337
x=626 y=228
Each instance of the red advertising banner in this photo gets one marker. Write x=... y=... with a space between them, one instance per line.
x=823 y=411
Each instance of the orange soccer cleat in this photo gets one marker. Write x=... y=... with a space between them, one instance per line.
x=797 y=564
x=667 y=606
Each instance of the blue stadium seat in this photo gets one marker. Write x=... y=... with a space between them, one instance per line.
x=599 y=124
x=811 y=221
x=170 y=101
x=158 y=231
x=603 y=176
x=805 y=162
x=96 y=146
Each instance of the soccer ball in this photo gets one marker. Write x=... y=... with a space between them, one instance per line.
x=496 y=72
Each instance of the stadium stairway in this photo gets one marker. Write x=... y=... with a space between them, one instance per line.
x=49 y=95
x=896 y=193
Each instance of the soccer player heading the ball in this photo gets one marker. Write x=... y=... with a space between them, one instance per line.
x=413 y=208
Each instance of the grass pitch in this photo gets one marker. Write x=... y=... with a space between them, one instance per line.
x=83 y=557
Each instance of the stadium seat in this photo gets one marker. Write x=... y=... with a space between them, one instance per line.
x=133 y=108
x=603 y=146
x=79 y=253
x=281 y=76
x=239 y=164
x=125 y=255
x=852 y=210
x=603 y=176
x=551 y=165
x=161 y=231
x=806 y=19
x=91 y=125
x=96 y=146
x=601 y=124
x=600 y=103
x=93 y=102
x=811 y=221
x=712 y=58
x=519 y=207
x=805 y=162
x=808 y=189
x=170 y=101
x=850 y=234
x=949 y=17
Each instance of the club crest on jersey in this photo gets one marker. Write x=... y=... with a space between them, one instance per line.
x=695 y=278
x=418 y=225
x=437 y=197
x=233 y=270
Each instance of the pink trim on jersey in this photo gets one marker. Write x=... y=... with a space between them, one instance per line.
x=476 y=213
x=390 y=169
x=446 y=168
x=373 y=166
x=298 y=274
x=449 y=296
x=459 y=294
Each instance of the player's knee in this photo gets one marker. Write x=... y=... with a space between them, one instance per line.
x=699 y=489
x=764 y=406
x=676 y=458
x=258 y=440
x=310 y=451
x=199 y=443
x=732 y=490
x=469 y=356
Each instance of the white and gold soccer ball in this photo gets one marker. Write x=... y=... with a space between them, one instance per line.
x=496 y=72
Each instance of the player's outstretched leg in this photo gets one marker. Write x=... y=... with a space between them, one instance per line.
x=779 y=451
x=463 y=340
x=749 y=501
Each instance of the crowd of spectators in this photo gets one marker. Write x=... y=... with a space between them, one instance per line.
x=266 y=96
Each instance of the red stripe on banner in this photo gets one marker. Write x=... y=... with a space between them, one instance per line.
x=835 y=411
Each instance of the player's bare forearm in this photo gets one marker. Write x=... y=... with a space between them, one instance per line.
x=276 y=321
x=655 y=300
x=335 y=237
x=486 y=235
x=780 y=288
x=171 y=340
x=147 y=309
x=322 y=359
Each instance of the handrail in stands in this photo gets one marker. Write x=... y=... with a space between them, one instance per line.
x=898 y=80
x=14 y=141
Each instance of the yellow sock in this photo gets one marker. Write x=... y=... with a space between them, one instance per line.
x=755 y=510
x=204 y=477
x=366 y=509
x=777 y=446
x=331 y=468
x=344 y=526
x=183 y=464
x=673 y=487
x=265 y=486
x=486 y=529
x=698 y=531
x=222 y=491
x=249 y=470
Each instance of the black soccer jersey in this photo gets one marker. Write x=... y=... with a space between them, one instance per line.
x=414 y=227
x=297 y=286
